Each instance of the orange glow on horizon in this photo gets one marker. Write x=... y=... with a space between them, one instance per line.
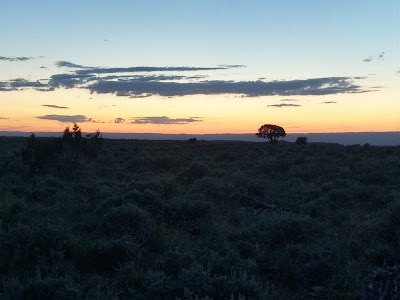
x=217 y=114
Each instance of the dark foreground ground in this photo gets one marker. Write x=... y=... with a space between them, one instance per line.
x=209 y=220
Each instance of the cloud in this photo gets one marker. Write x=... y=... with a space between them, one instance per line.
x=131 y=82
x=147 y=69
x=67 y=80
x=3 y=86
x=368 y=59
x=163 y=120
x=119 y=120
x=289 y=100
x=20 y=84
x=20 y=58
x=23 y=83
x=97 y=70
x=68 y=64
x=314 y=86
x=4 y=118
x=232 y=66
x=66 y=119
x=328 y=102
x=55 y=106
x=371 y=58
x=284 y=105
x=137 y=96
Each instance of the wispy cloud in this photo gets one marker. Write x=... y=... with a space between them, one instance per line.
x=55 y=106
x=164 y=120
x=232 y=66
x=368 y=59
x=19 y=58
x=66 y=119
x=146 y=69
x=119 y=120
x=371 y=58
x=284 y=105
x=97 y=70
x=4 y=118
x=328 y=102
x=289 y=100
x=67 y=64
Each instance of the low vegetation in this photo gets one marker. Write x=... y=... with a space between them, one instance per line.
x=205 y=220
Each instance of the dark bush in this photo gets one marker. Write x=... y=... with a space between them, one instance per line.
x=101 y=255
x=301 y=140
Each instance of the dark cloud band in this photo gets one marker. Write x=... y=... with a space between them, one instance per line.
x=66 y=119
x=131 y=82
x=55 y=106
x=284 y=105
x=314 y=86
x=163 y=120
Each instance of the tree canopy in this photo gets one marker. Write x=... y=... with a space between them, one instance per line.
x=271 y=132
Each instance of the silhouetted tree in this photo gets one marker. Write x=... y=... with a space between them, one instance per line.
x=271 y=132
x=301 y=140
x=75 y=145
x=66 y=151
x=93 y=143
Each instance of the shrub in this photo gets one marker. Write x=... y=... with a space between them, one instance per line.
x=39 y=153
x=100 y=255
x=301 y=140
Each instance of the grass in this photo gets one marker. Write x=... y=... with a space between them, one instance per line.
x=201 y=220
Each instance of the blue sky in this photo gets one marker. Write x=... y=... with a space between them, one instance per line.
x=273 y=40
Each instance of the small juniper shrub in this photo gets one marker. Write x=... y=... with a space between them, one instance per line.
x=301 y=140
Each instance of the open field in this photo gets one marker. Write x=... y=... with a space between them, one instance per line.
x=170 y=219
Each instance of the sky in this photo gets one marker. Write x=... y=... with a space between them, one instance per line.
x=191 y=66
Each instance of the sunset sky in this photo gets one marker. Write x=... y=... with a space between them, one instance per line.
x=200 y=66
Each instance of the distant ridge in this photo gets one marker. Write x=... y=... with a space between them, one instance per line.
x=346 y=138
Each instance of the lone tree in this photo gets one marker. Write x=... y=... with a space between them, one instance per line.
x=271 y=132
